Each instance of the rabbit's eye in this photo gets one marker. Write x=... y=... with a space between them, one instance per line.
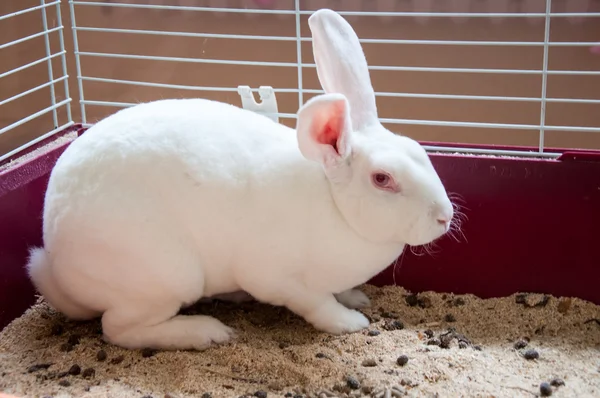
x=381 y=179
x=384 y=181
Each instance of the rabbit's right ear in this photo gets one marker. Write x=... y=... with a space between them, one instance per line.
x=342 y=66
x=323 y=129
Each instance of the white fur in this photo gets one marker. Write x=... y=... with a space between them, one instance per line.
x=164 y=203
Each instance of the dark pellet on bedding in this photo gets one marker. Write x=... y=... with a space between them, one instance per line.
x=370 y=362
x=74 y=370
x=89 y=373
x=543 y=302
x=402 y=360
x=520 y=344
x=545 y=389
x=148 y=352
x=101 y=355
x=38 y=366
x=206 y=395
x=352 y=383
x=64 y=383
x=450 y=318
x=445 y=340
x=394 y=325
x=74 y=339
x=556 y=382
x=117 y=360
x=320 y=355
x=57 y=329
x=462 y=344
x=412 y=300
x=424 y=302
x=373 y=332
x=531 y=354
x=434 y=341
x=260 y=394
x=67 y=347
x=521 y=299
x=459 y=301
x=428 y=333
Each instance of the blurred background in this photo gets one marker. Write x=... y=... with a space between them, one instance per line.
x=509 y=84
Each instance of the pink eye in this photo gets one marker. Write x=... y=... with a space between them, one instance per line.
x=381 y=179
x=384 y=181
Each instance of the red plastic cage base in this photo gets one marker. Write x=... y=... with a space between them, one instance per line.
x=532 y=227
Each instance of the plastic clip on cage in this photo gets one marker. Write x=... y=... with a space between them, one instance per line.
x=521 y=78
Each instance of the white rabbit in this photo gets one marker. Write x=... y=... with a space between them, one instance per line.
x=164 y=203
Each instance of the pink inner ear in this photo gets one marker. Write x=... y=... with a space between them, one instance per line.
x=329 y=135
x=330 y=132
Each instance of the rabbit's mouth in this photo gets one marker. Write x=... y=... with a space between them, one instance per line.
x=452 y=228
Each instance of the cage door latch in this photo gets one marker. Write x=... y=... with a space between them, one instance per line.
x=268 y=101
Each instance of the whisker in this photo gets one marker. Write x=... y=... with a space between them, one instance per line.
x=460 y=217
x=413 y=250
x=397 y=263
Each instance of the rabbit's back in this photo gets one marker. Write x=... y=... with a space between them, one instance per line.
x=173 y=146
x=159 y=133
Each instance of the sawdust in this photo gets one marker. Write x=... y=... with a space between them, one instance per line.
x=277 y=353
x=27 y=156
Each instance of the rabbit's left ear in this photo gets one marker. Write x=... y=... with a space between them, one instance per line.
x=323 y=129
x=342 y=66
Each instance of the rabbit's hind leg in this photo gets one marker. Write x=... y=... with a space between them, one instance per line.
x=353 y=298
x=143 y=311
x=157 y=326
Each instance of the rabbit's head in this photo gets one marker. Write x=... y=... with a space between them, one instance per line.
x=383 y=184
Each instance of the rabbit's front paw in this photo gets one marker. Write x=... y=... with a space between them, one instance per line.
x=341 y=320
x=353 y=298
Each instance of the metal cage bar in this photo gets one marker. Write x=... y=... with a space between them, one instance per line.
x=544 y=75
x=58 y=123
x=344 y=13
x=77 y=60
x=50 y=69
x=299 y=52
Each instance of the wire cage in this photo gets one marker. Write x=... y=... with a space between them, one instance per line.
x=282 y=51
x=504 y=95
x=46 y=72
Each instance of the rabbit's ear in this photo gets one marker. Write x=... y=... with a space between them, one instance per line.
x=323 y=128
x=342 y=66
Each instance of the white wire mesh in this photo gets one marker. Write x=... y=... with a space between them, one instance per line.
x=299 y=9
x=23 y=58
x=127 y=51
